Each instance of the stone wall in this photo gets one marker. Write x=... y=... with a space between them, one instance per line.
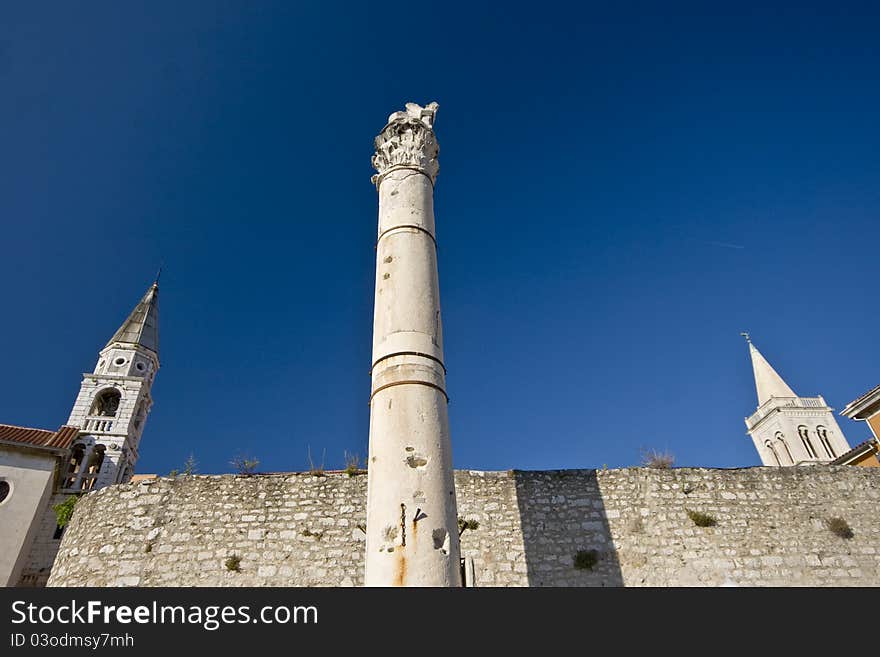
x=287 y=530
x=41 y=556
x=302 y=530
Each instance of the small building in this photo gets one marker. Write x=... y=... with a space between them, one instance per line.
x=33 y=466
x=866 y=409
x=864 y=454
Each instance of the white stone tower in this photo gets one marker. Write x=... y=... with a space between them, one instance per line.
x=114 y=401
x=788 y=429
x=412 y=527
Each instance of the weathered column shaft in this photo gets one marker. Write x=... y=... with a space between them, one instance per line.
x=412 y=528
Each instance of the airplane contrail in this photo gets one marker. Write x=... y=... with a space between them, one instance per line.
x=726 y=245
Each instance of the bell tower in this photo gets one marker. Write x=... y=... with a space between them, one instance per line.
x=788 y=429
x=114 y=400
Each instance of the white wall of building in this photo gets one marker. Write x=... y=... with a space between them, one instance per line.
x=30 y=476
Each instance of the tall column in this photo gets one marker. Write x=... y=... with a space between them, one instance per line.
x=412 y=526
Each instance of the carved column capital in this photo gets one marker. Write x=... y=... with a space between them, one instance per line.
x=408 y=142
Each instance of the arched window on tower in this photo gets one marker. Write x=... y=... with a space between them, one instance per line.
x=769 y=446
x=781 y=440
x=73 y=465
x=106 y=403
x=822 y=432
x=804 y=433
x=96 y=460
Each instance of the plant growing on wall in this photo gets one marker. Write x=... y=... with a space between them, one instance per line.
x=352 y=464
x=586 y=559
x=64 y=511
x=839 y=527
x=654 y=459
x=464 y=525
x=244 y=464
x=701 y=519
x=233 y=563
x=190 y=466
x=316 y=471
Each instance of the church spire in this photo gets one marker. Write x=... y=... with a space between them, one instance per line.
x=114 y=401
x=142 y=326
x=788 y=429
x=767 y=380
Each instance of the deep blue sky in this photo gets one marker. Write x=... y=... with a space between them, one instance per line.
x=622 y=191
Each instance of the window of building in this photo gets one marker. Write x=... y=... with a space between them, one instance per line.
x=822 y=432
x=96 y=460
x=5 y=490
x=76 y=459
x=106 y=403
x=781 y=439
x=804 y=433
x=773 y=452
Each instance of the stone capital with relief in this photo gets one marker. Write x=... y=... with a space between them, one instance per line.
x=408 y=142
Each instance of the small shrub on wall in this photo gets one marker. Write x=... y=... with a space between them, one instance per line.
x=655 y=459
x=702 y=519
x=839 y=527
x=64 y=511
x=586 y=559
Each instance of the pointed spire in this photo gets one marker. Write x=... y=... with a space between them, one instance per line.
x=767 y=380
x=142 y=325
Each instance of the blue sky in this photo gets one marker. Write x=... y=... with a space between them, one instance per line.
x=622 y=191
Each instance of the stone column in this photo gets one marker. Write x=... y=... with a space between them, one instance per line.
x=412 y=526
